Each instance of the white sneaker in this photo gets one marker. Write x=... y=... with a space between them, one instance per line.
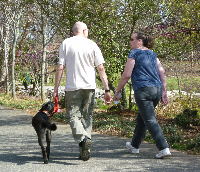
x=131 y=148
x=163 y=153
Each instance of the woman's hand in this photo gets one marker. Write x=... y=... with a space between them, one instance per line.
x=164 y=98
x=117 y=96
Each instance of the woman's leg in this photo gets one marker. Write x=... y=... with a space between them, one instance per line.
x=145 y=99
x=139 y=132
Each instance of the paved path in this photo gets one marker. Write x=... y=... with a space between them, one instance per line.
x=19 y=151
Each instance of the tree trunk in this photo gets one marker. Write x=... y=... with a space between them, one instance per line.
x=6 y=56
x=43 y=73
x=2 y=48
x=13 y=67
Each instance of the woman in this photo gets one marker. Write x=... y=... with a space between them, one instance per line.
x=149 y=85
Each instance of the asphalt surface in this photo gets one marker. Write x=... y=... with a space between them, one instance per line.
x=20 y=152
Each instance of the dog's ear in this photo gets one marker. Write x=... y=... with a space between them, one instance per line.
x=48 y=106
x=44 y=107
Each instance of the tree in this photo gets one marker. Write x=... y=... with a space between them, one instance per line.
x=18 y=11
x=5 y=30
x=177 y=36
x=43 y=25
x=12 y=13
x=112 y=24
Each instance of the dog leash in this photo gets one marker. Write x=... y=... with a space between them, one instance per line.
x=56 y=105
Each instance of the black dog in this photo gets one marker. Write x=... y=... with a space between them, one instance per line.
x=43 y=126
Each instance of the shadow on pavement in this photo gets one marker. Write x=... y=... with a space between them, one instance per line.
x=13 y=121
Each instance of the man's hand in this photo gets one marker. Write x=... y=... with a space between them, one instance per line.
x=107 y=98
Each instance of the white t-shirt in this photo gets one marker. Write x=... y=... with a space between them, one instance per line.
x=80 y=56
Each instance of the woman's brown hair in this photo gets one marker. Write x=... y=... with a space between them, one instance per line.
x=146 y=39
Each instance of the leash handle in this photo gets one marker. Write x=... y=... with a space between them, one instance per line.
x=56 y=105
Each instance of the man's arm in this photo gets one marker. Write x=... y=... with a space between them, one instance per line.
x=103 y=76
x=163 y=80
x=58 y=76
x=104 y=80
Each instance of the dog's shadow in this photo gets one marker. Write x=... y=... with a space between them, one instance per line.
x=35 y=158
x=19 y=158
x=30 y=152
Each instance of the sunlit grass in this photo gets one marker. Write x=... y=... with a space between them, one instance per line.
x=20 y=103
x=189 y=84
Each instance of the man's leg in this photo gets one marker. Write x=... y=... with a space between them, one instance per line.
x=73 y=108
x=79 y=105
x=87 y=114
x=87 y=110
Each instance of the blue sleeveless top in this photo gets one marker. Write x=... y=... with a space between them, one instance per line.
x=145 y=72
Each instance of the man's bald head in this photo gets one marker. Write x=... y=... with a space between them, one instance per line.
x=79 y=28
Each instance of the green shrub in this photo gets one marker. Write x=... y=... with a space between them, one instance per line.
x=194 y=144
x=62 y=102
x=188 y=118
x=60 y=116
x=172 y=133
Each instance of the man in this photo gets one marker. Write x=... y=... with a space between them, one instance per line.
x=80 y=55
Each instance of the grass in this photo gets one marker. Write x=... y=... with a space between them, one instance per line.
x=20 y=103
x=189 y=84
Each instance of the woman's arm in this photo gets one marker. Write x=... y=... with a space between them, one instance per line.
x=125 y=76
x=163 y=80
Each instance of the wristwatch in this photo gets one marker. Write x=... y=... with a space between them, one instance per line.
x=107 y=91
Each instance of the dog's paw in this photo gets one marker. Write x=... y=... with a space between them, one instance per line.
x=53 y=127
